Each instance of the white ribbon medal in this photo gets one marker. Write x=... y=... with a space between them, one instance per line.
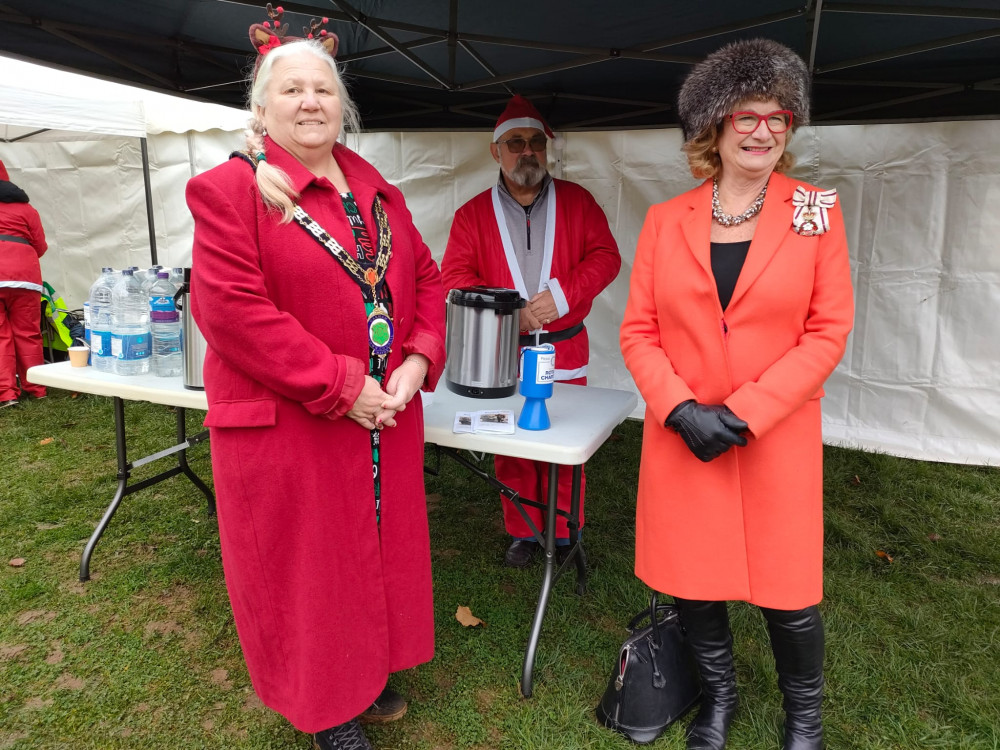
x=812 y=215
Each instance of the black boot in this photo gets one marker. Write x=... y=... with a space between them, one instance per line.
x=707 y=626
x=797 y=643
x=348 y=736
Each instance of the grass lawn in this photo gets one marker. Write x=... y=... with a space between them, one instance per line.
x=145 y=655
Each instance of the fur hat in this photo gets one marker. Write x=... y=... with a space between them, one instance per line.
x=747 y=69
x=520 y=113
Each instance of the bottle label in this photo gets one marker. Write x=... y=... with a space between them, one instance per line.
x=100 y=343
x=162 y=309
x=130 y=347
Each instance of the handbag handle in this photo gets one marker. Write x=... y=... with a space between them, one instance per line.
x=654 y=607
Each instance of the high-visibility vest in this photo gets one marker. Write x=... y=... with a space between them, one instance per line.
x=57 y=331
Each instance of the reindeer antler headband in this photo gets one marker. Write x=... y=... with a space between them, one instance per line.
x=270 y=34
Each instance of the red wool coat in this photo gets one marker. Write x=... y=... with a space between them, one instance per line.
x=326 y=604
x=748 y=525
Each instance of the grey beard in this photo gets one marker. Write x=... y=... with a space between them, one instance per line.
x=527 y=173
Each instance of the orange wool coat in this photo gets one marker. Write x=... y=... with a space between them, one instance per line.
x=748 y=525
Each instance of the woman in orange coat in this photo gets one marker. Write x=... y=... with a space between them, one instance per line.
x=739 y=308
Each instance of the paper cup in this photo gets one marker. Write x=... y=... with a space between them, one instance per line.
x=78 y=356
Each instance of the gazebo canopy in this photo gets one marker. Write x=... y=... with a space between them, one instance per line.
x=449 y=64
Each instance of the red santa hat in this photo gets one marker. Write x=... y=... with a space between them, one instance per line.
x=520 y=113
x=3 y=173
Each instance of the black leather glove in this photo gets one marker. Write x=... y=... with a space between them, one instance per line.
x=708 y=430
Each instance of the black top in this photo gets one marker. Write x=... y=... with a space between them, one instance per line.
x=727 y=262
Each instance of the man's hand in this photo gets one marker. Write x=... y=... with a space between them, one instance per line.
x=543 y=308
x=527 y=321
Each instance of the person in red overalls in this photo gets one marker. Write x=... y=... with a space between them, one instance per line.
x=549 y=240
x=22 y=243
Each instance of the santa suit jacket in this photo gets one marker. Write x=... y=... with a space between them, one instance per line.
x=583 y=260
x=326 y=604
x=18 y=261
x=748 y=525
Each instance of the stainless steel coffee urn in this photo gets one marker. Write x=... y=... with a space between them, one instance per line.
x=483 y=329
x=192 y=342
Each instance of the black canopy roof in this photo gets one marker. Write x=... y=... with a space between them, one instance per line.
x=450 y=64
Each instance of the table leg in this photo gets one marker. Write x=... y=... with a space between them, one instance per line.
x=123 y=474
x=183 y=462
x=125 y=471
x=573 y=523
x=547 y=579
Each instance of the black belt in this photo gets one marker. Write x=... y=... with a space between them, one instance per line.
x=12 y=238
x=528 y=339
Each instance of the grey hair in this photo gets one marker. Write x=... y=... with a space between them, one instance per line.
x=274 y=185
x=750 y=69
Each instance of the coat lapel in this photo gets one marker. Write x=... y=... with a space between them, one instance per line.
x=697 y=227
x=772 y=229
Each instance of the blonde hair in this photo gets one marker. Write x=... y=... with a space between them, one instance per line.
x=703 y=152
x=274 y=185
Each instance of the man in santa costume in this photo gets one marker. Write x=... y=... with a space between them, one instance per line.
x=549 y=240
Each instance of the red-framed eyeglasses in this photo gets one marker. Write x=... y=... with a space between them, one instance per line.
x=745 y=123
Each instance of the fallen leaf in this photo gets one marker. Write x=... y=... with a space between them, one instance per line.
x=934 y=537
x=73 y=395
x=464 y=615
x=45 y=441
x=17 y=562
x=884 y=555
x=856 y=479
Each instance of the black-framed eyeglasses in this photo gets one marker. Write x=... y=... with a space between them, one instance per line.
x=745 y=123
x=516 y=145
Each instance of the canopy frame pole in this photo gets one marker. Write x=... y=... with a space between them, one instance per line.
x=148 y=185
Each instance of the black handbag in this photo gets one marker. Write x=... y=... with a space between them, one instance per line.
x=654 y=682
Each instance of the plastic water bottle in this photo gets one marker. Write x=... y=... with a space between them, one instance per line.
x=165 y=324
x=177 y=277
x=99 y=305
x=86 y=326
x=130 y=337
x=148 y=278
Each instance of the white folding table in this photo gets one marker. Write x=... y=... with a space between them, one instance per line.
x=582 y=419
x=169 y=391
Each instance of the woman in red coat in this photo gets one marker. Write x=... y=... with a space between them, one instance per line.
x=739 y=308
x=22 y=243
x=324 y=315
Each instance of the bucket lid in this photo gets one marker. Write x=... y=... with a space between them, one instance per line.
x=490 y=298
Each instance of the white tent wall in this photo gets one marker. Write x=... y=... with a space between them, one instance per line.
x=90 y=197
x=920 y=376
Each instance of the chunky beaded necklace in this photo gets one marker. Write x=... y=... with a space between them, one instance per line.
x=728 y=220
